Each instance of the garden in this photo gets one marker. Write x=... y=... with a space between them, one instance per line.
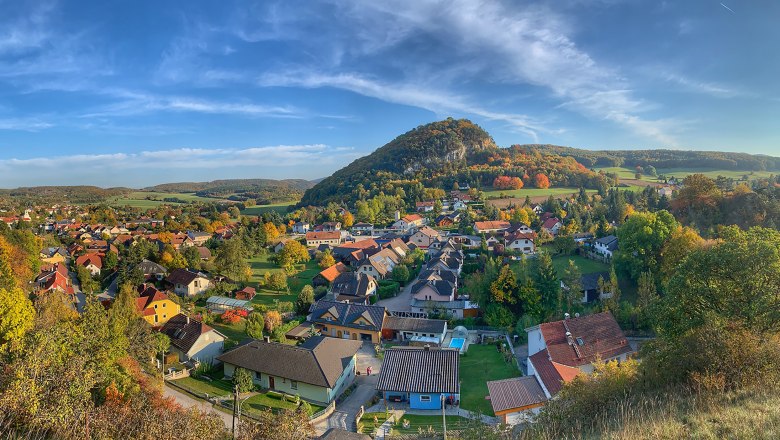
x=481 y=364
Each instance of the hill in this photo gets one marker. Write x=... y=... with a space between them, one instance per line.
x=62 y=194
x=263 y=191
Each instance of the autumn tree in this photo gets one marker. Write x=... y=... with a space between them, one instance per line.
x=273 y=319
x=347 y=220
x=291 y=254
x=271 y=232
x=504 y=288
x=255 y=323
x=401 y=273
x=506 y=182
x=230 y=261
x=326 y=259
x=541 y=181
x=680 y=243
x=17 y=317
x=305 y=300
x=641 y=239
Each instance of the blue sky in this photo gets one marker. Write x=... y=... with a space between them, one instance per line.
x=139 y=93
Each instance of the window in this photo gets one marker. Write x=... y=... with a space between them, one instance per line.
x=425 y=398
x=293 y=385
x=163 y=305
x=580 y=341
x=155 y=306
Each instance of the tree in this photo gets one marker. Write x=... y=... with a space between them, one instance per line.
x=682 y=242
x=276 y=281
x=504 y=289
x=548 y=285
x=401 y=273
x=7 y=279
x=572 y=279
x=564 y=244
x=230 y=260
x=641 y=239
x=161 y=345
x=347 y=220
x=647 y=297
x=497 y=315
x=242 y=378
x=506 y=182
x=255 y=323
x=17 y=317
x=327 y=260
x=192 y=256
x=111 y=260
x=305 y=300
x=273 y=319
x=613 y=302
x=541 y=181
x=88 y=284
x=293 y=252
x=271 y=232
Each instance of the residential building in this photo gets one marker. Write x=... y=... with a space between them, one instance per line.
x=314 y=239
x=348 y=321
x=606 y=246
x=353 y=287
x=426 y=378
x=301 y=227
x=92 y=261
x=552 y=225
x=521 y=242
x=424 y=237
x=245 y=294
x=426 y=206
x=318 y=370
x=516 y=400
x=363 y=228
x=188 y=283
x=151 y=270
x=491 y=226
x=591 y=288
x=559 y=351
x=328 y=275
x=193 y=340
x=408 y=222
x=155 y=306
x=54 y=255
x=416 y=331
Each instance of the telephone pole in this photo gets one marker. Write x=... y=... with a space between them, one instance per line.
x=444 y=415
x=235 y=408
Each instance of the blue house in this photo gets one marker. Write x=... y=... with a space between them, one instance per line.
x=424 y=378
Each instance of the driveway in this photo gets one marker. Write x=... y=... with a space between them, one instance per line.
x=188 y=401
x=366 y=357
x=521 y=354
x=344 y=415
x=401 y=302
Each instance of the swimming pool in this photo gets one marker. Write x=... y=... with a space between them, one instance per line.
x=457 y=343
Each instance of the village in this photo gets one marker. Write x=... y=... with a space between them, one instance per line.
x=383 y=335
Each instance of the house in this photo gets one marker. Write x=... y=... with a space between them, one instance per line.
x=155 y=306
x=517 y=227
x=559 y=351
x=353 y=287
x=582 y=237
x=381 y=264
x=318 y=370
x=416 y=331
x=459 y=205
x=348 y=321
x=452 y=261
x=435 y=288
x=328 y=275
x=537 y=208
x=521 y=242
x=591 y=290
x=188 y=283
x=92 y=261
x=279 y=245
x=408 y=222
x=198 y=238
x=314 y=239
x=328 y=227
x=445 y=220
x=221 y=304
x=666 y=191
x=193 y=340
x=491 y=226
x=457 y=309
x=362 y=228
x=516 y=400
x=300 y=227
x=425 y=377
x=552 y=225
x=606 y=246
x=204 y=253
x=151 y=270
x=426 y=206
x=245 y=294
x=54 y=277
x=424 y=237
x=54 y=255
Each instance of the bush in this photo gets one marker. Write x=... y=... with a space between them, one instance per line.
x=243 y=378
x=230 y=317
x=388 y=289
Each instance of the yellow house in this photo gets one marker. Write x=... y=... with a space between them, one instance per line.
x=358 y=322
x=53 y=255
x=156 y=307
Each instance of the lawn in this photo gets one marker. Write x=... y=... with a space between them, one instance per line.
x=627 y=173
x=260 y=265
x=481 y=364
x=235 y=332
x=586 y=265
x=280 y=207
x=200 y=386
x=680 y=173
x=416 y=422
x=152 y=199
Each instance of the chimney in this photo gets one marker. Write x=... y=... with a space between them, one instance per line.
x=569 y=338
x=188 y=319
x=427 y=347
x=566 y=316
x=397 y=215
x=267 y=339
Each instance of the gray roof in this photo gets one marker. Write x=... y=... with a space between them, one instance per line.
x=515 y=393
x=229 y=302
x=319 y=361
x=184 y=332
x=443 y=288
x=610 y=241
x=340 y=434
x=149 y=267
x=416 y=324
x=590 y=281
x=420 y=370
x=348 y=313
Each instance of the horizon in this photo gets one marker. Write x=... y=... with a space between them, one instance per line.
x=117 y=95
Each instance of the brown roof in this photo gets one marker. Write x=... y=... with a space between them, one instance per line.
x=362 y=244
x=319 y=361
x=323 y=235
x=411 y=218
x=420 y=370
x=550 y=222
x=515 y=393
x=182 y=276
x=430 y=232
x=87 y=259
x=491 y=225
x=340 y=434
x=333 y=272
x=184 y=331
x=553 y=375
x=592 y=336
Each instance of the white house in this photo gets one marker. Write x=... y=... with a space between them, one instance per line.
x=301 y=227
x=606 y=245
x=409 y=221
x=522 y=242
x=424 y=237
x=193 y=340
x=188 y=283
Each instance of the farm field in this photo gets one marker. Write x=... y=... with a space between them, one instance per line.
x=481 y=364
x=680 y=173
x=280 y=207
x=531 y=192
x=152 y=199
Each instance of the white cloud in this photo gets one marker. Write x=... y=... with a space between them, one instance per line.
x=24 y=124
x=708 y=88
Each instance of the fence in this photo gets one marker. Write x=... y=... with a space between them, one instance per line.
x=173 y=375
x=321 y=414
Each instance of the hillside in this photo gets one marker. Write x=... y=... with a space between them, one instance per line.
x=264 y=191
x=62 y=194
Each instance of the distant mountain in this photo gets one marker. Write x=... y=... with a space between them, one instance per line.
x=62 y=194
x=424 y=152
x=262 y=190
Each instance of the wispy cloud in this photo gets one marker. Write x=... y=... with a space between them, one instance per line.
x=708 y=88
x=24 y=124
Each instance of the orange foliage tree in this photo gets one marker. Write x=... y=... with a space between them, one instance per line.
x=541 y=181
x=506 y=182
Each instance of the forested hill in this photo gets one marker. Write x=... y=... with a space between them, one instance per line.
x=663 y=158
x=60 y=194
x=267 y=190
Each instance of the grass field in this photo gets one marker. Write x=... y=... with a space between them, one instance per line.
x=153 y=199
x=280 y=207
x=260 y=265
x=586 y=265
x=531 y=192
x=681 y=173
x=235 y=332
x=482 y=363
x=417 y=422
x=212 y=388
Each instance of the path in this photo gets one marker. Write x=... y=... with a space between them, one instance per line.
x=188 y=401
x=344 y=415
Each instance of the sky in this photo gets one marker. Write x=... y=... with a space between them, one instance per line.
x=137 y=93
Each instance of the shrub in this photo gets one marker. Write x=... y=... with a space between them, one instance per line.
x=243 y=378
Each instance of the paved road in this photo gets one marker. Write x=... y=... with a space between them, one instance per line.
x=400 y=303
x=188 y=401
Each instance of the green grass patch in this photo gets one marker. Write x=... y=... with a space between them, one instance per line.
x=260 y=265
x=586 y=265
x=235 y=332
x=263 y=401
x=681 y=173
x=153 y=199
x=481 y=364
x=531 y=192
x=201 y=386
x=417 y=422
x=280 y=207
x=371 y=421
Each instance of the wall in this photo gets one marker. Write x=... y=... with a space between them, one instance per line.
x=344 y=381
x=208 y=346
x=306 y=391
x=535 y=342
x=435 y=403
